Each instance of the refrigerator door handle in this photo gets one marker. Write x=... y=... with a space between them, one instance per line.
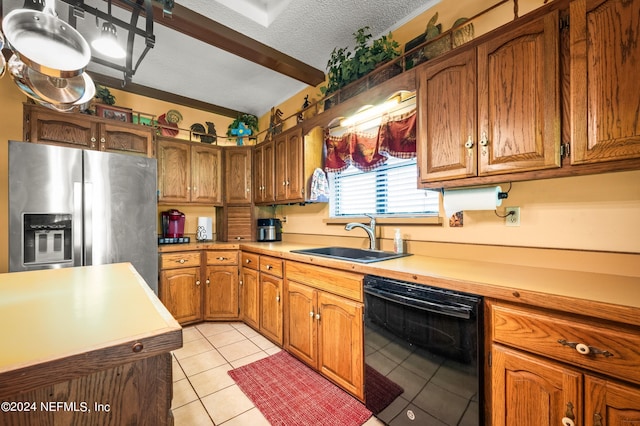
x=77 y=224
x=88 y=223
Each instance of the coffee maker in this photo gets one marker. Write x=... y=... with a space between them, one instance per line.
x=172 y=224
x=269 y=230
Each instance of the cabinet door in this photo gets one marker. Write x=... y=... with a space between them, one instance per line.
x=206 y=175
x=181 y=294
x=281 y=167
x=295 y=166
x=174 y=172
x=340 y=321
x=250 y=288
x=300 y=328
x=238 y=175
x=258 y=174
x=519 y=99
x=447 y=118
x=263 y=159
x=271 y=307
x=608 y=403
x=239 y=223
x=268 y=170
x=53 y=128
x=221 y=293
x=531 y=391
x=126 y=139
x=605 y=55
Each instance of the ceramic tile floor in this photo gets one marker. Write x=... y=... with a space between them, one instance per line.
x=203 y=393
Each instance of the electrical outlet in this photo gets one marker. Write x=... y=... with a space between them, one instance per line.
x=512 y=219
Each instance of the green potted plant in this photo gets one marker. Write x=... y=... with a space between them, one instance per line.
x=345 y=67
x=250 y=121
x=105 y=95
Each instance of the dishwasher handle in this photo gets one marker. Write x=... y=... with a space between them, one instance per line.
x=458 y=311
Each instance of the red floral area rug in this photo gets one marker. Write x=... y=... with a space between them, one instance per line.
x=288 y=393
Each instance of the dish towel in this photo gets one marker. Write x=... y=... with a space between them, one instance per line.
x=319 y=186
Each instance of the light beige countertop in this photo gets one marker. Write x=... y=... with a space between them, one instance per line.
x=86 y=317
x=605 y=296
x=205 y=245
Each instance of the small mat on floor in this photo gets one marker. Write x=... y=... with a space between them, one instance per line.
x=289 y=393
x=379 y=391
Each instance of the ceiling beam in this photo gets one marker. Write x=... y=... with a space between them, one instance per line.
x=208 y=31
x=138 y=89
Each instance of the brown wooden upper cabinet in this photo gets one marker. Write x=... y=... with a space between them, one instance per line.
x=492 y=108
x=43 y=125
x=189 y=173
x=264 y=184
x=289 y=148
x=605 y=93
x=238 y=180
x=285 y=165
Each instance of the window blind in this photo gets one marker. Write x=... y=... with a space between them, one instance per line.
x=390 y=190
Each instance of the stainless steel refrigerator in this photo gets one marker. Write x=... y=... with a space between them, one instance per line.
x=71 y=207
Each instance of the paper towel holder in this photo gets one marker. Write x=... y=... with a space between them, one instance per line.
x=505 y=195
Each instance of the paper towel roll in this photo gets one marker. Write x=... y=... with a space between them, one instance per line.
x=205 y=229
x=471 y=199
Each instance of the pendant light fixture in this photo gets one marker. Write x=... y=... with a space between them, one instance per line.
x=107 y=44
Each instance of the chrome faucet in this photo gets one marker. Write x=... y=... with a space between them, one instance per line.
x=371 y=230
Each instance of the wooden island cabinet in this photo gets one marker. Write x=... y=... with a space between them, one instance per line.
x=85 y=346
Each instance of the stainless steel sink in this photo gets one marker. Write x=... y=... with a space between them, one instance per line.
x=352 y=254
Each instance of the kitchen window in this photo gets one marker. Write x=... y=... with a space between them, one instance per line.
x=388 y=191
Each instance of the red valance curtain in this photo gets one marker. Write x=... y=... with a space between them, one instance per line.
x=395 y=137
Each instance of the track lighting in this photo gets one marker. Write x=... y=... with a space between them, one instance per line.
x=107 y=43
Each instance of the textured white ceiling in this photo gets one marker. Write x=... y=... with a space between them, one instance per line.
x=307 y=30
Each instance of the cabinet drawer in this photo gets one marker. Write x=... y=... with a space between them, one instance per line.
x=271 y=265
x=250 y=260
x=222 y=257
x=179 y=260
x=342 y=283
x=609 y=350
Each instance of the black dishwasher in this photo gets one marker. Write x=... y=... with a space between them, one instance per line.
x=423 y=354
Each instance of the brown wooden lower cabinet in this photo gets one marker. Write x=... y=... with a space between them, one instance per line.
x=323 y=329
x=179 y=291
x=262 y=295
x=532 y=391
x=550 y=368
x=271 y=301
x=221 y=293
x=197 y=285
x=610 y=403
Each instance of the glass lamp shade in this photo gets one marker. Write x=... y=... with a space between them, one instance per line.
x=107 y=43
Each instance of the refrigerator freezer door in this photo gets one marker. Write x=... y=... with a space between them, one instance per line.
x=41 y=184
x=120 y=212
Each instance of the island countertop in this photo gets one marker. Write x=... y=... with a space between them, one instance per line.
x=74 y=320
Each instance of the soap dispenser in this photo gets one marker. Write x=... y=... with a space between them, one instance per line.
x=398 y=244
